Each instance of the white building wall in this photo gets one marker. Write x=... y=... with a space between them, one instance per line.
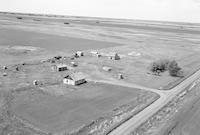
x=68 y=81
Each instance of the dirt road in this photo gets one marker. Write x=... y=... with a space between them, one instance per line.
x=165 y=97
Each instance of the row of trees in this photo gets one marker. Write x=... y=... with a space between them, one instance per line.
x=166 y=65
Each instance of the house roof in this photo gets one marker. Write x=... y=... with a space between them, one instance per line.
x=76 y=76
x=106 y=68
x=79 y=52
x=61 y=65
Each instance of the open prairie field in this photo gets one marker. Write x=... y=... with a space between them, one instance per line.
x=186 y=122
x=12 y=37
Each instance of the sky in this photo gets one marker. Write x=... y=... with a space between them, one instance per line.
x=164 y=10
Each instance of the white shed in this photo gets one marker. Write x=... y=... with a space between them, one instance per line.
x=105 y=68
x=79 y=53
x=114 y=56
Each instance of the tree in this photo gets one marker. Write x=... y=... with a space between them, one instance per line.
x=172 y=64
x=154 y=67
x=159 y=66
x=174 y=69
x=164 y=65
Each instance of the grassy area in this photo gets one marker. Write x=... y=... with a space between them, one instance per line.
x=135 y=68
x=9 y=123
x=55 y=107
x=77 y=107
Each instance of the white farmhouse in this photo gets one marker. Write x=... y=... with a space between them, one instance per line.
x=74 y=79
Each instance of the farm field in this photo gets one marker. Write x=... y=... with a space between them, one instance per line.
x=12 y=37
x=77 y=107
x=187 y=120
x=179 y=117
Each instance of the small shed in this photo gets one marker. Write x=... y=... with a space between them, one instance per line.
x=5 y=67
x=98 y=55
x=105 y=68
x=79 y=53
x=114 y=56
x=95 y=53
x=5 y=74
x=74 y=64
x=61 y=67
x=17 y=68
x=120 y=76
x=37 y=82
x=74 y=79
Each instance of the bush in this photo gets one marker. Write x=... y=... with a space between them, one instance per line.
x=36 y=20
x=175 y=71
x=19 y=18
x=66 y=23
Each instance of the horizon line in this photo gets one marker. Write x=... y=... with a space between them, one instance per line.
x=100 y=17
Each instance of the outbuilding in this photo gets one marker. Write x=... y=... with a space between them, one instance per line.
x=74 y=79
x=5 y=67
x=5 y=74
x=114 y=56
x=79 y=54
x=17 y=68
x=95 y=53
x=61 y=67
x=37 y=83
x=74 y=64
x=105 y=68
x=120 y=76
x=98 y=55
